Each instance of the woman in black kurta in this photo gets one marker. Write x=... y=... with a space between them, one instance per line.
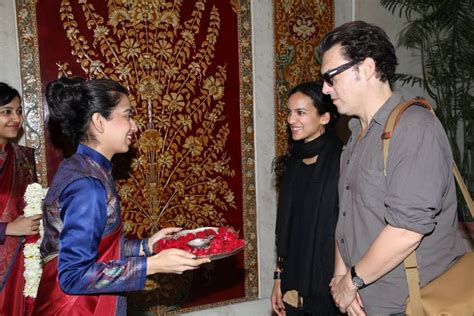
x=307 y=206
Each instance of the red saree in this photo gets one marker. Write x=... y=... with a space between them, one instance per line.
x=17 y=170
x=54 y=301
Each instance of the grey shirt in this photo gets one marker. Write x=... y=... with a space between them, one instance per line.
x=418 y=194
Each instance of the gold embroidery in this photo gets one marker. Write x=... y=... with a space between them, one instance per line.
x=299 y=27
x=180 y=174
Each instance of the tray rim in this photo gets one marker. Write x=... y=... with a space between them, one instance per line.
x=211 y=256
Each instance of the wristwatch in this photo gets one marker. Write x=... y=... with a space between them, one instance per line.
x=356 y=280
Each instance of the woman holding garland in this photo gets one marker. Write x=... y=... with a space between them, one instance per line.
x=17 y=170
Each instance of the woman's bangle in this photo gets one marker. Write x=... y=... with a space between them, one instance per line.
x=277 y=275
x=145 y=248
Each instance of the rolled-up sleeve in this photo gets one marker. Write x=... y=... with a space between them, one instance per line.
x=415 y=191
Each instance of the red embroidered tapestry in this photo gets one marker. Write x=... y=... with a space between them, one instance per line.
x=299 y=28
x=187 y=65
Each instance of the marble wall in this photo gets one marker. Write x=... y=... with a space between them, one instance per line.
x=9 y=57
x=9 y=54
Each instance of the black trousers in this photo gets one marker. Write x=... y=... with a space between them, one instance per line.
x=291 y=311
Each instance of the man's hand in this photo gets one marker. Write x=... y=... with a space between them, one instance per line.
x=343 y=291
x=24 y=226
x=277 y=299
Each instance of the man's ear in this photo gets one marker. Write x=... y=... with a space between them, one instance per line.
x=97 y=122
x=368 y=67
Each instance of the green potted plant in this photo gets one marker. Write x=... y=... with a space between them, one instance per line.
x=443 y=34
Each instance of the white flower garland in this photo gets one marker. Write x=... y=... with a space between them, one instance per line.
x=34 y=196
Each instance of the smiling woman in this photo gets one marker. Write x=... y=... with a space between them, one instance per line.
x=17 y=170
x=114 y=134
x=84 y=249
x=10 y=119
x=307 y=206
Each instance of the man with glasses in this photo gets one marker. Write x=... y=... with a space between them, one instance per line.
x=383 y=218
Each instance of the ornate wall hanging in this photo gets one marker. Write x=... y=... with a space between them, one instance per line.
x=187 y=65
x=299 y=27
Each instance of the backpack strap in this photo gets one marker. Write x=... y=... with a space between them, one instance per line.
x=392 y=121
x=410 y=263
x=464 y=190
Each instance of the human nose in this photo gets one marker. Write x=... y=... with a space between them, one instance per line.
x=326 y=88
x=16 y=117
x=134 y=127
x=290 y=119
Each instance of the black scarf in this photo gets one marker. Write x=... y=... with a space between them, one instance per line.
x=302 y=150
x=311 y=272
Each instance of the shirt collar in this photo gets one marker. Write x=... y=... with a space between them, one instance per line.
x=382 y=114
x=94 y=155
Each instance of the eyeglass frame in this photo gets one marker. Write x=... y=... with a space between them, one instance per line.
x=331 y=73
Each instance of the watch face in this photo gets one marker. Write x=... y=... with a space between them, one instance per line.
x=358 y=282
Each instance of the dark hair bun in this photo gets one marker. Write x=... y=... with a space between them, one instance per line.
x=62 y=95
x=67 y=102
x=73 y=101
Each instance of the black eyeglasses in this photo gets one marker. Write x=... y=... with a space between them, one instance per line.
x=328 y=75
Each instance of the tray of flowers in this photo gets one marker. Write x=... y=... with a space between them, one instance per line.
x=213 y=242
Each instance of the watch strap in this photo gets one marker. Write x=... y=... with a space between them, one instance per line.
x=353 y=272
x=357 y=280
x=277 y=275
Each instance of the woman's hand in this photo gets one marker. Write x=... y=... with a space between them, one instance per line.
x=277 y=299
x=165 y=232
x=343 y=291
x=23 y=226
x=173 y=261
x=356 y=308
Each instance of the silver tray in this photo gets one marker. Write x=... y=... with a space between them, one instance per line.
x=194 y=231
x=214 y=256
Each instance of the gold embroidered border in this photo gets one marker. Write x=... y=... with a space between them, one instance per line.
x=248 y=148
x=31 y=84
